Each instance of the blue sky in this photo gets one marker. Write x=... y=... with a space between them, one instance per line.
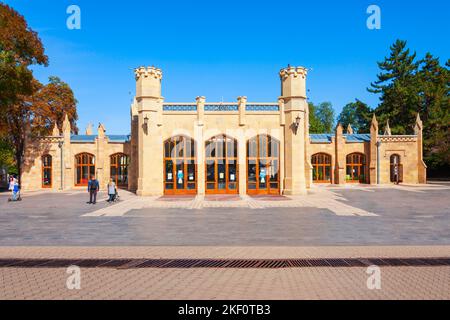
x=225 y=49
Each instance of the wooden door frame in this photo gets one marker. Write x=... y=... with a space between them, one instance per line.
x=322 y=165
x=84 y=165
x=226 y=160
x=43 y=170
x=185 y=160
x=257 y=159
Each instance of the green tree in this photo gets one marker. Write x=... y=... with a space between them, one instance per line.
x=7 y=156
x=433 y=80
x=397 y=85
x=358 y=115
x=408 y=86
x=321 y=118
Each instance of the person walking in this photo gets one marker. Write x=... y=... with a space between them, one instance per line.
x=93 y=187
x=16 y=190
x=11 y=183
x=111 y=190
x=396 y=171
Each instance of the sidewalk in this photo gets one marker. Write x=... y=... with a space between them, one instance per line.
x=325 y=282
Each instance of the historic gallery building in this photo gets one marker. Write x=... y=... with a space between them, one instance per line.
x=222 y=148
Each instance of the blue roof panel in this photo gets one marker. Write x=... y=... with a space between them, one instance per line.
x=321 y=137
x=327 y=137
x=357 y=137
x=91 y=138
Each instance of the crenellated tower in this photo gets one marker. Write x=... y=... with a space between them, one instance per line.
x=149 y=105
x=293 y=95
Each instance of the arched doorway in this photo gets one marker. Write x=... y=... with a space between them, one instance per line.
x=84 y=168
x=321 y=163
x=396 y=169
x=356 y=168
x=47 y=171
x=222 y=173
x=263 y=165
x=180 y=166
x=119 y=169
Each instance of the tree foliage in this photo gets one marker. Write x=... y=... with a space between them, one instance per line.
x=27 y=107
x=408 y=86
x=358 y=115
x=321 y=118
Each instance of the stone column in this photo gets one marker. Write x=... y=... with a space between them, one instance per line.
x=373 y=150
x=242 y=104
x=101 y=165
x=150 y=144
x=340 y=163
x=199 y=138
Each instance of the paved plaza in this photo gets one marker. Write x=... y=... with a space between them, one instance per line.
x=352 y=215
x=317 y=246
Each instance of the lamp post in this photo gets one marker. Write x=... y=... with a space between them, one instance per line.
x=378 y=161
x=60 y=145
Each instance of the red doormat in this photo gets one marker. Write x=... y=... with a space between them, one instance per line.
x=268 y=197
x=177 y=198
x=222 y=197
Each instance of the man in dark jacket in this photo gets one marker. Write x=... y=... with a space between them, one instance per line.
x=93 y=187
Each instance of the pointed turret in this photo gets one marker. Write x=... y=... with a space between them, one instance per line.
x=349 y=129
x=66 y=125
x=89 y=129
x=387 y=129
x=101 y=131
x=418 y=126
x=339 y=129
x=374 y=121
x=55 y=131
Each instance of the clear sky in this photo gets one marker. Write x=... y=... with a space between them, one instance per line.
x=225 y=49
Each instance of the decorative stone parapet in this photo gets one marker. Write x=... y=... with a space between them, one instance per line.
x=293 y=72
x=148 y=72
x=398 y=138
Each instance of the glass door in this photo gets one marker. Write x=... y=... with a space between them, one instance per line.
x=221 y=165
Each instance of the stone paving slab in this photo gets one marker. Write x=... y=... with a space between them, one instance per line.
x=212 y=283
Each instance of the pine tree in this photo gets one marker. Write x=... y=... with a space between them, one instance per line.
x=398 y=88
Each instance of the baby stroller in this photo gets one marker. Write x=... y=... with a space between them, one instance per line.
x=116 y=198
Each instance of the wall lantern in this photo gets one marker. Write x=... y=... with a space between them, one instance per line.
x=297 y=121
x=146 y=120
x=296 y=124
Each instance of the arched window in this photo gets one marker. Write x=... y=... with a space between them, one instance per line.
x=321 y=163
x=356 y=168
x=47 y=172
x=263 y=165
x=119 y=169
x=222 y=173
x=84 y=168
x=396 y=168
x=180 y=166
